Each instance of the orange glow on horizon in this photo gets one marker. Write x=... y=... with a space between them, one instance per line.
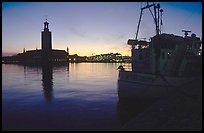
x=82 y=49
x=86 y=49
x=77 y=50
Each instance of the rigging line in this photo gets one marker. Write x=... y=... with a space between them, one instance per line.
x=137 y=30
x=152 y=14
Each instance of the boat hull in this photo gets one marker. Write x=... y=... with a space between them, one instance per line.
x=149 y=86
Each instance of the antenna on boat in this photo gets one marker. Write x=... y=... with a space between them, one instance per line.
x=186 y=32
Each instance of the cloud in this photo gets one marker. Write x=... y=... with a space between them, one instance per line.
x=77 y=32
x=119 y=36
x=115 y=39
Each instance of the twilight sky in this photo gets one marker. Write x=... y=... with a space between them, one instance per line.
x=90 y=28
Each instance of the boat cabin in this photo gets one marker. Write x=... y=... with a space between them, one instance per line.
x=166 y=54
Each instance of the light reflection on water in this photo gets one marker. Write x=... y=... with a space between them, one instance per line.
x=75 y=96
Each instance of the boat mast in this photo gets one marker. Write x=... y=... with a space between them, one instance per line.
x=155 y=17
x=138 y=24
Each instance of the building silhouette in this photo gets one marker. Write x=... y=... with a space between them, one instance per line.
x=45 y=54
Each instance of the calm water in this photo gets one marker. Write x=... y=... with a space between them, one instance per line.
x=76 y=96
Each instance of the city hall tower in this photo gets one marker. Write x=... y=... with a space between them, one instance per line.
x=46 y=38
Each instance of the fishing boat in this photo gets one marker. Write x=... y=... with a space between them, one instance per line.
x=164 y=64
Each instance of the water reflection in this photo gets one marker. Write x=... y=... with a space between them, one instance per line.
x=46 y=77
x=47 y=83
x=67 y=68
x=87 y=101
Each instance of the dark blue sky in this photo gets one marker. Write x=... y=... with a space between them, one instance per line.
x=91 y=27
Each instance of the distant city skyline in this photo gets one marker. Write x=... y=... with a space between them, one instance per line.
x=90 y=28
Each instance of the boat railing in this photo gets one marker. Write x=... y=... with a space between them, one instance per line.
x=127 y=67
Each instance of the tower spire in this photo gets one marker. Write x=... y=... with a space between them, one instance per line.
x=46 y=24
